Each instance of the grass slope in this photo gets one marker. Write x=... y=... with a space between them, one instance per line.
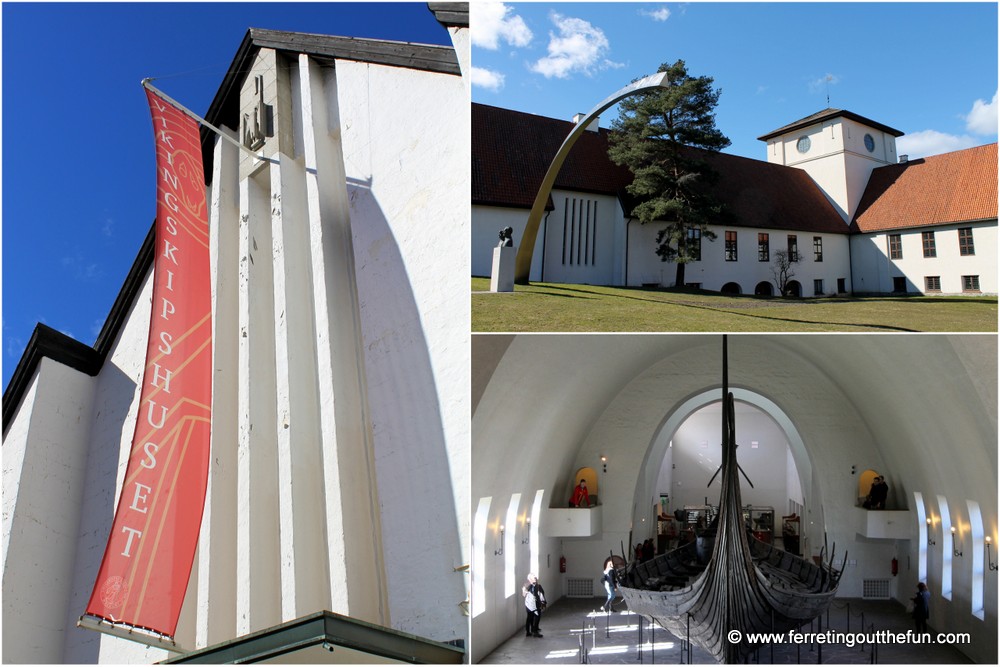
x=561 y=307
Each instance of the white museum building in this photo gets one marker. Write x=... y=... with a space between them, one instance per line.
x=833 y=192
x=336 y=523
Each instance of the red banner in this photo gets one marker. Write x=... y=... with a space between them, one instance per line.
x=150 y=551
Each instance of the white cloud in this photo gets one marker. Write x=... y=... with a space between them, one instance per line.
x=932 y=142
x=579 y=47
x=820 y=85
x=493 y=22
x=983 y=117
x=661 y=14
x=485 y=78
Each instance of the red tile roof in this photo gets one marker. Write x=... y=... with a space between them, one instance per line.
x=511 y=151
x=953 y=187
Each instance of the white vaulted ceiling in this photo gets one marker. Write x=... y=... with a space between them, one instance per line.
x=922 y=407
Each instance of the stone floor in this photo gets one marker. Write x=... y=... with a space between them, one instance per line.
x=572 y=625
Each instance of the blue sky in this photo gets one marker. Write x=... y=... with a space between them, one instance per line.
x=926 y=69
x=78 y=183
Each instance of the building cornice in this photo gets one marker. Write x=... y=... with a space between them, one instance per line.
x=829 y=114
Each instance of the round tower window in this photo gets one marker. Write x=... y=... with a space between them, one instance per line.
x=803 y=144
x=869 y=143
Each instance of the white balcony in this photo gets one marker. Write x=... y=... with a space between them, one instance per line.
x=573 y=521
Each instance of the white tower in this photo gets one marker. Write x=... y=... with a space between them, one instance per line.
x=838 y=149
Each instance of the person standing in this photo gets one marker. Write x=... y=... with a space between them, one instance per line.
x=610 y=580
x=534 y=603
x=580 y=495
x=921 y=607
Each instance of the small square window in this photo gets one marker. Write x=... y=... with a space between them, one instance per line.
x=899 y=284
x=818 y=287
x=932 y=283
x=970 y=283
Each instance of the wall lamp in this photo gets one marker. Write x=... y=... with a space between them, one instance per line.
x=499 y=552
x=955 y=543
x=993 y=566
x=527 y=531
x=930 y=540
x=604 y=462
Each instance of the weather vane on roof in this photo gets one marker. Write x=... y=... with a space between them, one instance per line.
x=828 y=79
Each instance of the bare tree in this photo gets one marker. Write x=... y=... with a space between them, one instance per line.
x=782 y=270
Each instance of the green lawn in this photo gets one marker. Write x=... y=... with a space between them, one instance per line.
x=561 y=307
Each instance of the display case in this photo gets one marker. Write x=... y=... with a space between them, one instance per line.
x=791 y=526
x=761 y=521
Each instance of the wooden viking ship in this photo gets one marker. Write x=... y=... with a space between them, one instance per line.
x=745 y=585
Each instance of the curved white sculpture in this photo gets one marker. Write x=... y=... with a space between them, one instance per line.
x=522 y=265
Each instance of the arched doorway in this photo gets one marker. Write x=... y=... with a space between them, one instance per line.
x=763 y=288
x=731 y=288
x=793 y=288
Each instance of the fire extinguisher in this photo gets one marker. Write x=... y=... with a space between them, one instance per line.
x=895 y=567
x=562 y=564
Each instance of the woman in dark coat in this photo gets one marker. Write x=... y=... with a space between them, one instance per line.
x=921 y=607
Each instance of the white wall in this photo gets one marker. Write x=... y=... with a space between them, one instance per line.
x=411 y=243
x=44 y=469
x=713 y=271
x=874 y=271
x=583 y=239
x=837 y=158
x=697 y=456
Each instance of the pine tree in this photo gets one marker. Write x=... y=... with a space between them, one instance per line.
x=652 y=136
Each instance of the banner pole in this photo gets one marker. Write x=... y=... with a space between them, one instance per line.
x=149 y=86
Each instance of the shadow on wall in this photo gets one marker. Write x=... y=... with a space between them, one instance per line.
x=411 y=456
x=115 y=393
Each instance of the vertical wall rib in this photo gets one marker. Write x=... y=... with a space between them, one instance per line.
x=353 y=525
x=258 y=573
x=304 y=565
x=216 y=619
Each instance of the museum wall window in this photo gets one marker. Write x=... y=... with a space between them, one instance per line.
x=536 y=516
x=930 y=248
x=731 y=255
x=793 y=248
x=923 y=535
x=579 y=242
x=966 y=246
x=895 y=246
x=976 y=546
x=947 y=547
x=763 y=247
x=509 y=548
x=479 y=529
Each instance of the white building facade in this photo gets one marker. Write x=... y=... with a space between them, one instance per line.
x=340 y=442
x=831 y=221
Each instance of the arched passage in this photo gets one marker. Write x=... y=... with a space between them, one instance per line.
x=646 y=489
